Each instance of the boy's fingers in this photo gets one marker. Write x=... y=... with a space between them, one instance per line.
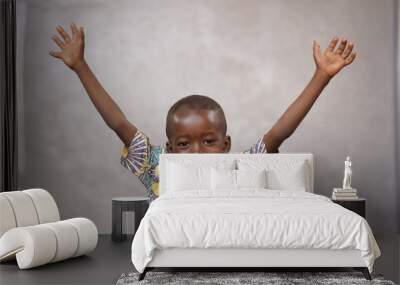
x=316 y=50
x=341 y=47
x=347 y=51
x=72 y=31
x=74 y=28
x=332 y=44
x=350 y=58
x=82 y=32
x=58 y=41
x=63 y=34
x=55 y=54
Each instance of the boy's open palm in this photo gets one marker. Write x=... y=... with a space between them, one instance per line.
x=72 y=48
x=332 y=60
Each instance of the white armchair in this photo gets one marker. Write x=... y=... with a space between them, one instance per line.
x=31 y=231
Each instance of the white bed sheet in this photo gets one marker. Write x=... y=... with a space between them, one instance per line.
x=250 y=218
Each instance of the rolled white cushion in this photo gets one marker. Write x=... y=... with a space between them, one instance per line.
x=33 y=245
x=7 y=218
x=23 y=208
x=67 y=240
x=87 y=233
x=45 y=205
x=40 y=244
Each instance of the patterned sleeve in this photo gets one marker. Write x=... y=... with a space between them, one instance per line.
x=258 y=147
x=136 y=157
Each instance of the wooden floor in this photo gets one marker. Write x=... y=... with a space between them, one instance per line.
x=111 y=259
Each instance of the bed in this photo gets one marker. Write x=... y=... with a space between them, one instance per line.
x=247 y=210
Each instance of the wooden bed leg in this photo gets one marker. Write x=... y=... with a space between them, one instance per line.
x=143 y=274
x=364 y=271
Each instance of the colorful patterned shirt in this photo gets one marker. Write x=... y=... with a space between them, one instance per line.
x=142 y=159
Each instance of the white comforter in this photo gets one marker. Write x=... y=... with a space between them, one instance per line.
x=251 y=218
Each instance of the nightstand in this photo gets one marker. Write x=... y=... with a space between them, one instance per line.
x=357 y=205
x=138 y=205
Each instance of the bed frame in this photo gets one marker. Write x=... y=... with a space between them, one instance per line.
x=244 y=259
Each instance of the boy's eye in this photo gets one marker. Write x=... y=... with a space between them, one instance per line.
x=183 y=144
x=209 y=141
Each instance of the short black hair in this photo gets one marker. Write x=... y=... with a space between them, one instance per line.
x=195 y=102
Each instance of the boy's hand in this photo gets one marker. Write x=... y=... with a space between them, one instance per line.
x=71 y=48
x=328 y=64
x=332 y=60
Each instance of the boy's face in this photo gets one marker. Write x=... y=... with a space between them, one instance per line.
x=197 y=131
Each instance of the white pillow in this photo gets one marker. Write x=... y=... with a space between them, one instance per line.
x=251 y=178
x=185 y=175
x=281 y=175
x=223 y=179
x=228 y=179
x=288 y=179
x=181 y=177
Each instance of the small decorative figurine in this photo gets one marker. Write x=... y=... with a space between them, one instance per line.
x=347 y=174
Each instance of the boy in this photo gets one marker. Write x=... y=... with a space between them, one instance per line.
x=196 y=123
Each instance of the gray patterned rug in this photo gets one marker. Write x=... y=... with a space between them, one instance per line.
x=225 y=278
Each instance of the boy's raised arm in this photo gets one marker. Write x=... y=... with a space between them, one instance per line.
x=72 y=54
x=328 y=64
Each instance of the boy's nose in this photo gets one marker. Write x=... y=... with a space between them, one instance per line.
x=196 y=148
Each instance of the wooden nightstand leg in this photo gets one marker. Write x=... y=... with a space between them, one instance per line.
x=140 y=211
x=116 y=234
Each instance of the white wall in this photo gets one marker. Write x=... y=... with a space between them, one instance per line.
x=254 y=57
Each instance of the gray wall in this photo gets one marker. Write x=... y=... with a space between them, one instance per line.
x=397 y=113
x=253 y=57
